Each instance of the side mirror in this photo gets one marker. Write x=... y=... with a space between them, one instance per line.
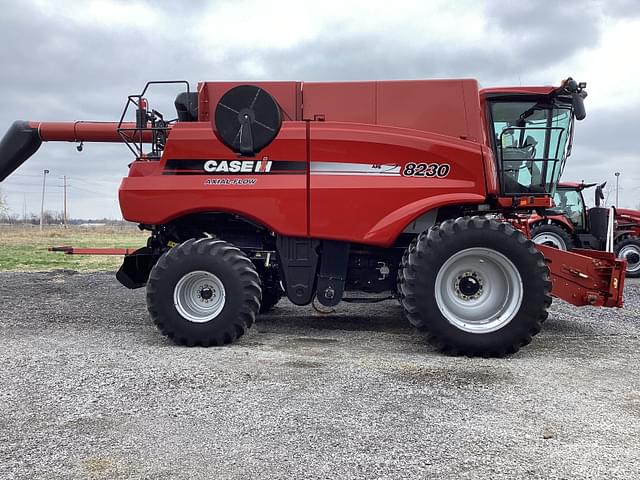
x=578 y=94
x=578 y=105
x=599 y=193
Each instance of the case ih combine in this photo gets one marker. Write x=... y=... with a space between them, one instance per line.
x=333 y=188
x=570 y=224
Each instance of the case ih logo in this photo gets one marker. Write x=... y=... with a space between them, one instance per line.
x=237 y=166
x=221 y=166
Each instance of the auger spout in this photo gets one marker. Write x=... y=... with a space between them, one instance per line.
x=23 y=138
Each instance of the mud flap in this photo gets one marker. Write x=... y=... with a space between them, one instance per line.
x=136 y=268
x=334 y=260
x=298 y=259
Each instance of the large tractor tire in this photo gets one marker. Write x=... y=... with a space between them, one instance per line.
x=552 y=236
x=629 y=249
x=400 y=277
x=476 y=286
x=203 y=292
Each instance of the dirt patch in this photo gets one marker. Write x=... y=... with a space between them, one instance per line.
x=315 y=340
x=459 y=377
x=98 y=465
x=303 y=364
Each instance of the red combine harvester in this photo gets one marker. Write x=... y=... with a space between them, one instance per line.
x=318 y=189
x=571 y=225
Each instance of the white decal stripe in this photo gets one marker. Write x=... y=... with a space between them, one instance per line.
x=374 y=174
x=336 y=168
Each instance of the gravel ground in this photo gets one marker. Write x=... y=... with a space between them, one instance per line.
x=89 y=389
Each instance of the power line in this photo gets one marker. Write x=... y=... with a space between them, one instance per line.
x=65 y=202
x=31 y=185
x=89 y=181
x=44 y=180
x=29 y=192
x=89 y=191
x=25 y=175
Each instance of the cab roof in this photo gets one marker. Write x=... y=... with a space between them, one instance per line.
x=575 y=185
x=517 y=91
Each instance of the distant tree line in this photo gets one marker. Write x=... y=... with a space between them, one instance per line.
x=50 y=218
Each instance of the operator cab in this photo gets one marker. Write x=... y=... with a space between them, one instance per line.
x=532 y=135
x=571 y=202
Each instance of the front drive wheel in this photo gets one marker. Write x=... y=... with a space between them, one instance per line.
x=629 y=249
x=552 y=236
x=203 y=292
x=476 y=287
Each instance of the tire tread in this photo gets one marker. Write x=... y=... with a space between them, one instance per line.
x=423 y=251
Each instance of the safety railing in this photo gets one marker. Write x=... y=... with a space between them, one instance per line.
x=150 y=125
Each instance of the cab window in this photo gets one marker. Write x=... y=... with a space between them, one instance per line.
x=531 y=144
x=572 y=205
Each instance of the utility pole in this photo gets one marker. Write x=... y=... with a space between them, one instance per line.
x=65 y=200
x=44 y=181
x=617 y=174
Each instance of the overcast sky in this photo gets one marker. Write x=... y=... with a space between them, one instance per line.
x=72 y=60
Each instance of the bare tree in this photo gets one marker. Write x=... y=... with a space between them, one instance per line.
x=10 y=218
x=3 y=204
x=51 y=217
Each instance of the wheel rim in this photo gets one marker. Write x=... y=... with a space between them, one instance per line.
x=199 y=296
x=631 y=253
x=478 y=290
x=551 y=240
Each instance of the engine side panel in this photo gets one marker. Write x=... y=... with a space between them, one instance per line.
x=363 y=190
x=272 y=192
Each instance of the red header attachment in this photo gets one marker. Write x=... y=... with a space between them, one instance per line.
x=585 y=277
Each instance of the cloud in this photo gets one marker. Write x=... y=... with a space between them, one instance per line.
x=69 y=60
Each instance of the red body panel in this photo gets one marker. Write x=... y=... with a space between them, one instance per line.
x=375 y=207
x=558 y=219
x=629 y=213
x=148 y=195
x=629 y=219
x=448 y=107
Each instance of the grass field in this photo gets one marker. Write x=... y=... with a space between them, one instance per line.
x=25 y=249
